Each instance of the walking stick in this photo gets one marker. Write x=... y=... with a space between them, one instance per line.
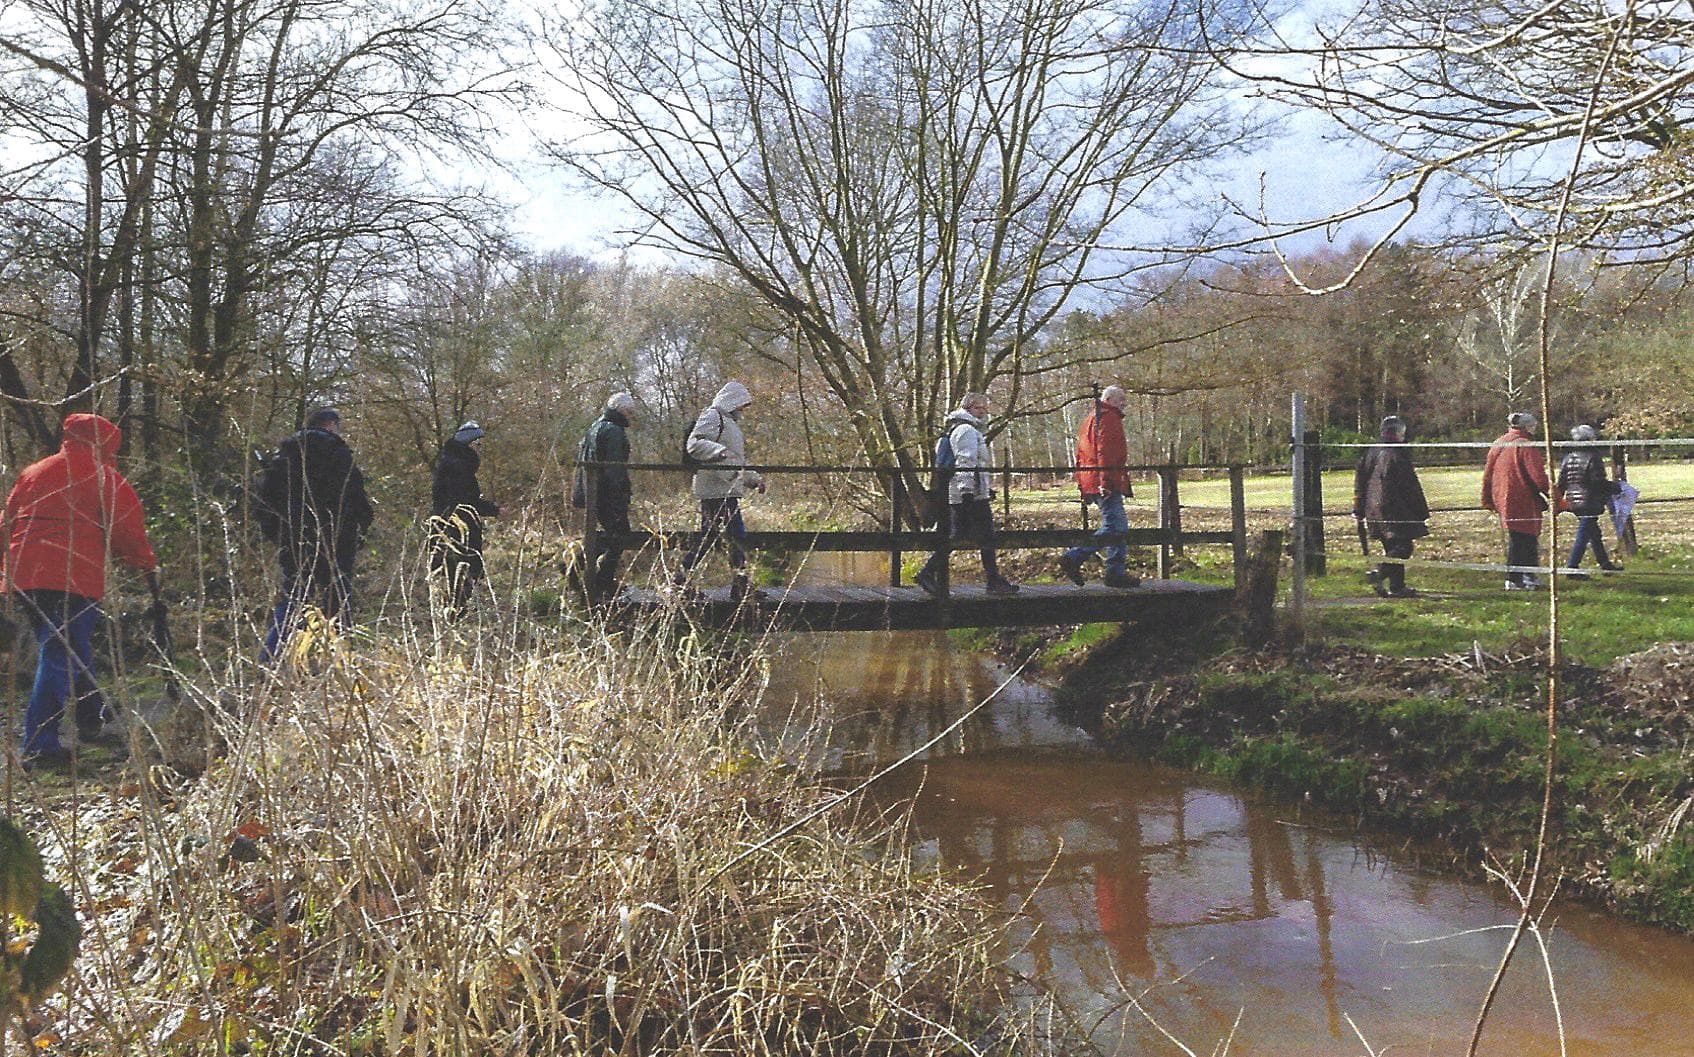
x=162 y=639
x=1364 y=536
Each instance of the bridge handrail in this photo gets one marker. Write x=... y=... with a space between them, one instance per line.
x=882 y=470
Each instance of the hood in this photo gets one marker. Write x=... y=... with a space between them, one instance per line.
x=959 y=416
x=312 y=439
x=90 y=433
x=732 y=398
x=458 y=449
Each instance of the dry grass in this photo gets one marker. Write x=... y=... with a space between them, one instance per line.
x=467 y=846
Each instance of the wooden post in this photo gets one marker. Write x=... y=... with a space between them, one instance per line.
x=896 y=500
x=1620 y=471
x=1165 y=521
x=1238 y=524
x=1316 y=563
x=1175 y=502
x=1006 y=491
x=1297 y=511
x=1256 y=595
x=590 y=531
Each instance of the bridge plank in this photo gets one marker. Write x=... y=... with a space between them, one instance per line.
x=857 y=608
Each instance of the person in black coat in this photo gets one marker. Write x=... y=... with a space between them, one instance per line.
x=312 y=504
x=1587 y=491
x=607 y=443
x=1388 y=497
x=457 y=507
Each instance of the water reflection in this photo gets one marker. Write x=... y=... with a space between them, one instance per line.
x=1129 y=879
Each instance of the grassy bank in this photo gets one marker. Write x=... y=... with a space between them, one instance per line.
x=532 y=839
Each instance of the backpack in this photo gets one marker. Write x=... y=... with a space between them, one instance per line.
x=935 y=502
x=268 y=493
x=690 y=461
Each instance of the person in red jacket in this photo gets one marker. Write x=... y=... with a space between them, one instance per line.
x=64 y=515
x=1102 y=454
x=1514 y=486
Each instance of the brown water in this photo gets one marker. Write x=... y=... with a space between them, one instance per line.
x=1138 y=880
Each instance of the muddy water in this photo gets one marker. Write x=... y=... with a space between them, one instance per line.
x=1203 y=903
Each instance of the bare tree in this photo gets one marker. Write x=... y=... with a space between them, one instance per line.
x=916 y=187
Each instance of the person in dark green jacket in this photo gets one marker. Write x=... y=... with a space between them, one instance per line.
x=607 y=441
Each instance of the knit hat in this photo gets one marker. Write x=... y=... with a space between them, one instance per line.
x=468 y=432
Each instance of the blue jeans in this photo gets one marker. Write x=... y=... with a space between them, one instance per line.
x=64 y=637
x=1589 y=534
x=321 y=578
x=1113 y=521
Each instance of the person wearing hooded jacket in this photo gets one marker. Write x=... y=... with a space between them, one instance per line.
x=457 y=507
x=970 y=491
x=64 y=515
x=1587 y=490
x=1514 y=486
x=607 y=443
x=716 y=442
x=1388 y=497
x=1102 y=454
x=312 y=504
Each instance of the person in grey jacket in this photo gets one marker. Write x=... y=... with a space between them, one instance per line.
x=717 y=443
x=1586 y=489
x=969 y=494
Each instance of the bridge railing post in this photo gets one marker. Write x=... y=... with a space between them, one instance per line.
x=1175 y=502
x=1238 y=523
x=1169 y=524
x=896 y=502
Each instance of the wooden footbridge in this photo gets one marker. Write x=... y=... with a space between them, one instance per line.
x=897 y=606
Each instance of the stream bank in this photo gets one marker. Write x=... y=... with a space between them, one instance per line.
x=1446 y=750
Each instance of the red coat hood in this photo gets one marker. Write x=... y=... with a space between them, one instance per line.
x=90 y=433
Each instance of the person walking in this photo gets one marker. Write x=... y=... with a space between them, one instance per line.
x=606 y=442
x=1586 y=490
x=64 y=515
x=969 y=497
x=1514 y=486
x=1102 y=457
x=313 y=506
x=1388 y=498
x=718 y=447
x=457 y=508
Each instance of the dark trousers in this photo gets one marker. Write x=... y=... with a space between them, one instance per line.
x=64 y=639
x=1522 y=548
x=1589 y=534
x=613 y=517
x=1393 y=574
x=455 y=556
x=971 y=521
x=720 y=519
x=316 y=578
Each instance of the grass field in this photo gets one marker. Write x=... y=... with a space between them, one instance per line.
x=1601 y=619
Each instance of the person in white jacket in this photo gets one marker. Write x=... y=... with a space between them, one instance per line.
x=970 y=490
x=716 y=441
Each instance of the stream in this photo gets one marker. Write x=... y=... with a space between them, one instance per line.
x=1202 y=902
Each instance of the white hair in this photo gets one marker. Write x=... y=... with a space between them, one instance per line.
x=1583 y=433
x=973 y=398
x=622 y=403
x=1115 y=395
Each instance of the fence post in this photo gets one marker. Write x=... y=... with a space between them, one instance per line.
x=1238 y=524
x=590 y=531
x=896 y=500
x=1297 y=587
x=1006 y=489
x=1316 y=560
x=1166 y=520
x=1175 y=501
x=1620 y=472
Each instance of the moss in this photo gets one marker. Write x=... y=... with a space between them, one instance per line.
x=1660 y=890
